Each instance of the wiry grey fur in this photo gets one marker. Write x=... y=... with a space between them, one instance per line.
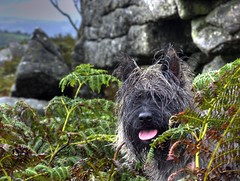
x=162 y=89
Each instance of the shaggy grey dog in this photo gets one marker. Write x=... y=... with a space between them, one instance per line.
x=147 y=99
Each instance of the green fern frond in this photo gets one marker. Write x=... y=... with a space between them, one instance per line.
x=212 y=125
x=71 y=131
x=59 y=173
x=30 y=172
x=203 y=80
x=173 y=133
x=98 y=137
x=87 y=74
x=43 y=172
x=17 y=158
x=88 y=69
x=83 y=114
x=217 y=115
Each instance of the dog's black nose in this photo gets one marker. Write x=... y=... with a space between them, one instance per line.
x=145 y=116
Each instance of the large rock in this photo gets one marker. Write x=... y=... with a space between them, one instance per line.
x=197 y=60
x=202 y=29
x=17 y=50
x=14 y=50
x=219 y=31
x=226 y=16
x=110 y=19
x=218 y=62
x=40 y=69
x=138 y=28
x=188 y=9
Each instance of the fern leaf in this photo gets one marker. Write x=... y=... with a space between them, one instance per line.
x=30 y=172
x=86 y=74
x=218 y=116
x=202 y=81
x=59 y=173
x=98 y=137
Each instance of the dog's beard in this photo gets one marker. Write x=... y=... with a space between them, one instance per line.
x=140 y=136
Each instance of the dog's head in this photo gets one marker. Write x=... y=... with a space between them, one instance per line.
x=149 y=97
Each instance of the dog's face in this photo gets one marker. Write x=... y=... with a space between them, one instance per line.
x=148 y=113
x=147 y=100
x=147 y=118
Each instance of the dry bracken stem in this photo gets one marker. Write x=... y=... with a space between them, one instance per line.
x=117 y=151
x=114 y=159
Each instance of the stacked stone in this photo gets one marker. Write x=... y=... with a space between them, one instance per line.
x=204 y=30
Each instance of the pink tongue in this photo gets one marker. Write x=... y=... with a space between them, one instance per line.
x=147 y=134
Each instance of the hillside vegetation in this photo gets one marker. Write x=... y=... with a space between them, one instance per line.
x=7 y=37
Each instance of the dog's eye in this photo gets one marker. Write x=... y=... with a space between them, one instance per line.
x=138 y=96
x=137 y=100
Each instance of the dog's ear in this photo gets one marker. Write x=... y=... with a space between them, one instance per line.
x=125 y=67
x=172 y=62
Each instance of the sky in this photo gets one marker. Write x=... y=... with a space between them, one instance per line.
x=37 y=11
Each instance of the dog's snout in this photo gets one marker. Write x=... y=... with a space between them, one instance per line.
x=145 y=116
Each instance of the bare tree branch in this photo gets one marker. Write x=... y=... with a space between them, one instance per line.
x=55 y=4
x=77 y=6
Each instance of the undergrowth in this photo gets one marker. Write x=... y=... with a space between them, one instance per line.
x=72 y=141
x=213 y=126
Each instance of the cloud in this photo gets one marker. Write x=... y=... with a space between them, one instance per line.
x=25 y=15
x=36 y=9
